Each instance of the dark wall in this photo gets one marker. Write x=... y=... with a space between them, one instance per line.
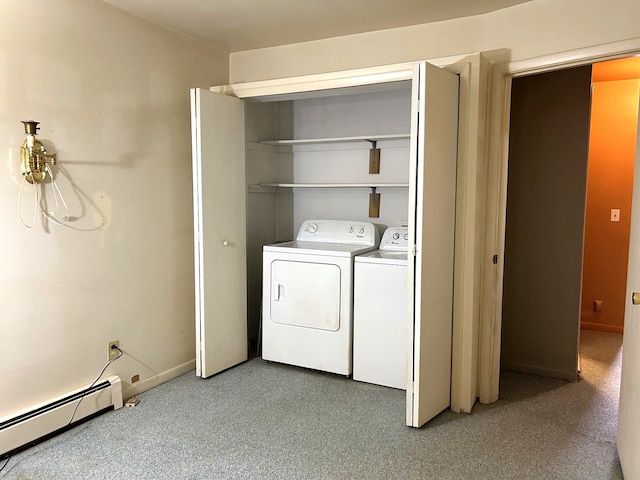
x=548 y=149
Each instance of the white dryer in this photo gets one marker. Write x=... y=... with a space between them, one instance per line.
x=380 y=312
x=307 y=290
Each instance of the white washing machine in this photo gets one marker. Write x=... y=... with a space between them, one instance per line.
x=380 y=312
x=307 y=317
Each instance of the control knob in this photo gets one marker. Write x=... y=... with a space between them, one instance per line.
x=313 y=228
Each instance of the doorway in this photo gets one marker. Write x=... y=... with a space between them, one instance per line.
x=612 y=144
x=555 y=127
x=546 y=192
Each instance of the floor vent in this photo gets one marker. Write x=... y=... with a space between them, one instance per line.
x=47 y=418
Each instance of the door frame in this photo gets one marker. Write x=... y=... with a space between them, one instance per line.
x=473 y=72
x=496 y=200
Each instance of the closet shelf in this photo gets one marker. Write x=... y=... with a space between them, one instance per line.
x=361 y=138
x=331 y=185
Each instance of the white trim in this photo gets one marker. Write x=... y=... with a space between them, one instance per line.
x=328 y=185
x=574 y=58
x=159 y=379
x=323 y=81
x=332 y=80
x=542 y=371
x=359 y=138
x=491 y=308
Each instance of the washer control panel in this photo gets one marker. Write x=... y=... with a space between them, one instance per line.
x=395 y=239
x=338 y=231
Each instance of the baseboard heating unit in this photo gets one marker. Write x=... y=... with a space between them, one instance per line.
x=28 y=426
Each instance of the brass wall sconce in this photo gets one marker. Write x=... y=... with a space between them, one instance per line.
x=35 y=164
x=34 y=159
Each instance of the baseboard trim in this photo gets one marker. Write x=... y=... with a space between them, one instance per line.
x=159 y=379
x=542 y=371
x=602 y=327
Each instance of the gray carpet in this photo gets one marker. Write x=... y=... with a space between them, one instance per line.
x=270 y=421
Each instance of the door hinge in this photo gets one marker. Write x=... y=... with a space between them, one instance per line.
x=414 y=250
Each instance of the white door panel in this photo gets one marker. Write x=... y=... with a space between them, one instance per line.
x=628 y=439
x=431 y=229
x=220 y=231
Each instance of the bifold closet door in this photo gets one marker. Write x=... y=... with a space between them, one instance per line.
x=219 y=207
x=432 y=213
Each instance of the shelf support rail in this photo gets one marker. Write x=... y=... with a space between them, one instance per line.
x=374 y=157
x=374 y=203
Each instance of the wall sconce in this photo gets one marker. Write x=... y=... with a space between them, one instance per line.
x=34 y=157
x=35 y=164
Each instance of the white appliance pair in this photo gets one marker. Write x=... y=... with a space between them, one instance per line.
x=308 y=295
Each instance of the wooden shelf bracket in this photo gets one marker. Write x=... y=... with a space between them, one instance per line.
x=374 y=157
x=374 y=203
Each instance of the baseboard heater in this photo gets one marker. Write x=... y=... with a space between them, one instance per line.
x=42 y=420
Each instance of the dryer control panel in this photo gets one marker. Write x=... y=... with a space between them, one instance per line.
x=339 y=231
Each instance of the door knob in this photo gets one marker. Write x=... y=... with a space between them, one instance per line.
x=225 y=243
x=635 y=298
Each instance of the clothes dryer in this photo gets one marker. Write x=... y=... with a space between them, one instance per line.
x=380 y=312
x=308 y=295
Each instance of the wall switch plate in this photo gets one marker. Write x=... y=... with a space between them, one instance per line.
x=112 y=353
x=615 y=214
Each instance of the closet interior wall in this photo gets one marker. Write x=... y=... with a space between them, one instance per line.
x=275 y=214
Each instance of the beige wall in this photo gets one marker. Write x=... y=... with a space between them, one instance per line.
x=111 y=93
x=532 y=29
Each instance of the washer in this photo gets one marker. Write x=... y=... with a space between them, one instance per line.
x=380 y=312
x=308 y=295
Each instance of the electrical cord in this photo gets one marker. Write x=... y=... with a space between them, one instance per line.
x=113 y=347
x=56 y=193
x=5 y=464
x=35 y=206
x=39 y=199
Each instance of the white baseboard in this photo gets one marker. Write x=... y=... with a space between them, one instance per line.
x=542 y=371
x=159 y=379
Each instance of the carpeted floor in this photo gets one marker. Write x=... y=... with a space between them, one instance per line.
x=270 y=421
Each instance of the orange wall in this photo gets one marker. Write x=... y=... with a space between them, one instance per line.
x=612 y=144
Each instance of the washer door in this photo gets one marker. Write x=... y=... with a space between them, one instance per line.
x=305 y=294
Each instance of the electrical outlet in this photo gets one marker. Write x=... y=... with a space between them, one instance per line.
x=615 y=214
x=112 y=353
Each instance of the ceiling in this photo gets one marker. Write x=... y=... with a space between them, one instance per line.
x=236 y=25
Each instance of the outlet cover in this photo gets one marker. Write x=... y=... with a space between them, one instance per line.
x=112 y=353
x=615 y=214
